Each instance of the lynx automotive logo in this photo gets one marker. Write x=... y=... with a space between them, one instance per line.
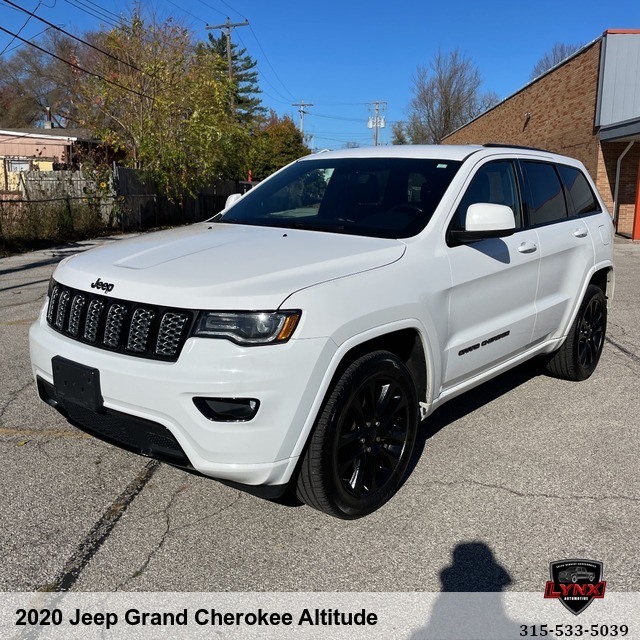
x=105 y=286
x=575 y=583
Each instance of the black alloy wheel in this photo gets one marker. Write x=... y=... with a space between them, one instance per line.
x=591 y=336
x=363 y=439
x=580 y=353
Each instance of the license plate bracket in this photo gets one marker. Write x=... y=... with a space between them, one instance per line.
x=77 y=383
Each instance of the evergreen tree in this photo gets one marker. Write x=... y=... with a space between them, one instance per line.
x=246 y=101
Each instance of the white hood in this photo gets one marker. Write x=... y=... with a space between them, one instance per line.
x=224 y=266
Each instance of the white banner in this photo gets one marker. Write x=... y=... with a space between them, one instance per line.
x=432 y=616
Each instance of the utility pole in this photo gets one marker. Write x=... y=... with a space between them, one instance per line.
x=227 y=26
x=377 y=120
x=302 y=104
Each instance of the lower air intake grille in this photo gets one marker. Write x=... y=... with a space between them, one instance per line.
x=131 y=328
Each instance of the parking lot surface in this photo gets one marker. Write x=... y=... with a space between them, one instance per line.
x=520 y=472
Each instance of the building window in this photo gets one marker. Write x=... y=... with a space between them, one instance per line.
x=18 y=164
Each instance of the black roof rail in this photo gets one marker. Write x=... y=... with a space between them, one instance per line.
x=516 y=146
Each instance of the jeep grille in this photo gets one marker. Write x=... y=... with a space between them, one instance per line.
x=126 y=327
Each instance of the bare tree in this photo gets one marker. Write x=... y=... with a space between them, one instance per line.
x=559 y=52
x=32 y=81
x=446 y=94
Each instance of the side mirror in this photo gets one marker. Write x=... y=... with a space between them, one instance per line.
x=232 y=199
x=486 y=220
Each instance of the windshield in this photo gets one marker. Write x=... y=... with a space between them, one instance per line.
x=378 y=197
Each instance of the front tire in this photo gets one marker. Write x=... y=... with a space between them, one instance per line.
x=578 y=357
x=363 y=439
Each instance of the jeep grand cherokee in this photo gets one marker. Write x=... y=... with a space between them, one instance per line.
x=298 y=338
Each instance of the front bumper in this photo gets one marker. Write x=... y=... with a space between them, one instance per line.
x=138 y=392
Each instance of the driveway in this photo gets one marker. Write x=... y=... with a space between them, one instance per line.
x=517 y=473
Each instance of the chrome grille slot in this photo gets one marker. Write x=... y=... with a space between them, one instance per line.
x=92 y=323
x=118 y=325
x=74 y=317
x=139 y=330
x=170 y=333
x=53 y=301
x=61 y=311
x=113 y=328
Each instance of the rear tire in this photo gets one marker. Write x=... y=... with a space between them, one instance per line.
x=362 y=442
x=578 y=357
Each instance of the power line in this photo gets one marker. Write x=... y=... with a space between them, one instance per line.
x=103 y=10
x=281 y=98
x=275 y=73
x=76 y=66
x=321 y=115
x=226 y=4
x=53 y=26
x=212 y=8
x=26 y=22
x=20 y=43
x=121 y=21
x=91 y=12
x=185 y=11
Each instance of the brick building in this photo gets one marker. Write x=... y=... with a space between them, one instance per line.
x=588 y=107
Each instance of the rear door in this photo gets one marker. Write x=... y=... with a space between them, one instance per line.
x=564 y=237
x=492 y=300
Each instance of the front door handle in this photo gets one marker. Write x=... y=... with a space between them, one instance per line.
x=580 y=232
x=528 y=247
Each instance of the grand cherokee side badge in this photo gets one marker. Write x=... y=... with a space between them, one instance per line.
x=105 y=286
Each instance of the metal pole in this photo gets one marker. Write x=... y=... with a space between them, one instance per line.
x=302 y=104
x=227 y=26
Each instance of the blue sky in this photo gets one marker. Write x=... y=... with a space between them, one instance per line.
x=340 y=56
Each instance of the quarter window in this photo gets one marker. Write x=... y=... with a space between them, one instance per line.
x=581 y=197
x=546 y=197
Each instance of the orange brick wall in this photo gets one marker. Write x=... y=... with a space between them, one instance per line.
x=562 y=108
x=562 y=105
x=609 y=154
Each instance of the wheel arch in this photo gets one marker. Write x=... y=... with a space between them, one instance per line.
x=406 y=341
x=604 y=278
x=355 y=459
x=406 y=344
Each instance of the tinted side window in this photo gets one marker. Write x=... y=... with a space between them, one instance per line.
x=581 y=197
x=494 y=182
x=546 y=197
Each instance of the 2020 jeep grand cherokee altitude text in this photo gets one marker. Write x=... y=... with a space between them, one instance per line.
x=297 y=339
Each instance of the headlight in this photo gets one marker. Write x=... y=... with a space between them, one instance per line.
x=247 y=327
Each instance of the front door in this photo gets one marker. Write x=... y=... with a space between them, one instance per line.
x=492 y=302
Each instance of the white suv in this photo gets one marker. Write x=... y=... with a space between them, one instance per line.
x=298 y=338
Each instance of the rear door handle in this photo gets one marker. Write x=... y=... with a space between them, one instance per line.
x=580 y=232
x=528 y=247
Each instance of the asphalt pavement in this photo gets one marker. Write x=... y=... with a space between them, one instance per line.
x=520 y=472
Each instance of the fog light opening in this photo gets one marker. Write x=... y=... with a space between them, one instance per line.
x=227 y=409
